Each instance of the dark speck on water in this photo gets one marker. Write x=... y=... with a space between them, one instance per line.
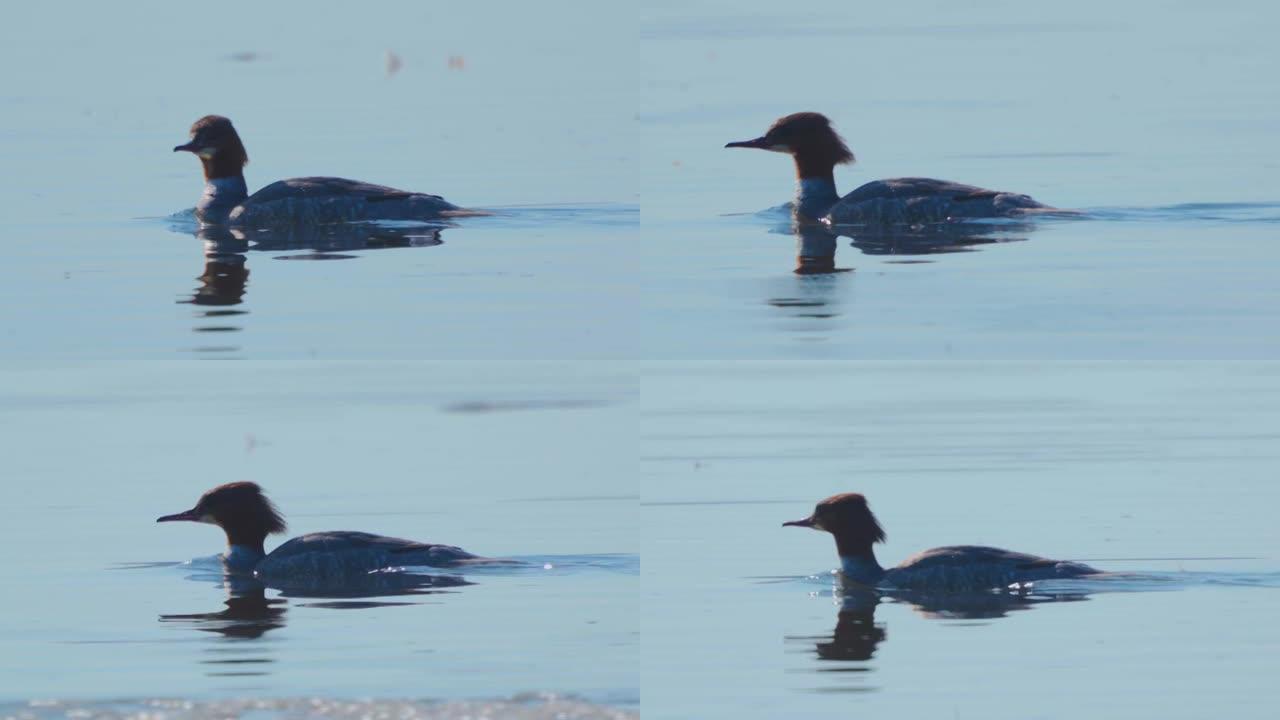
x=487 y=406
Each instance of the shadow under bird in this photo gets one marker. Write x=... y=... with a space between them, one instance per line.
x=955 y=568
x=816 y=148
x=247 y=517
x=296 y=201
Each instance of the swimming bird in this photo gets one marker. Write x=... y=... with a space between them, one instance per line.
x=296 y=201
x=952 y=568
x=247 y=517
x=816 y=148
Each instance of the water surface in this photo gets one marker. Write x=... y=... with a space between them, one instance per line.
x=1151 y=472
x=622 y=364
x=437 y=383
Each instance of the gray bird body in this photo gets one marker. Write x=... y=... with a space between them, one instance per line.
x=916 y=201
x=323 y=558
x=817 y=149
x=347 y=552
x=969 y=567
x=953 y=568
x=296 y=202
x=314 y=201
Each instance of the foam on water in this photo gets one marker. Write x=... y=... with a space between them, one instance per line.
x=530 y=706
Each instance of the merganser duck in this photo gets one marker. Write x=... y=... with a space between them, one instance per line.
x=816 y=148
x=297 y=201
x=246 y=515
x=954 y=568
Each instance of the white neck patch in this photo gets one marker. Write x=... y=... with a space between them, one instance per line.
x=814 y=197
x=241 y=557
x=861 y=571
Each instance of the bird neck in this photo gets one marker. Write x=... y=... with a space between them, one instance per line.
x=815 y=194
x=858 y=561
x=224 y=163
x=244 y=547
x=243 y=557
x=221 y=194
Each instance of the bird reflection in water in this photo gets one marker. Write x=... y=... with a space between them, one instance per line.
x=979 y=605
x=816 y=294
x=817 y=242
x=935 y=239
x=857 y=635
x=816 y=251
x=225 y=279
x=248 y=614
x=225 y=271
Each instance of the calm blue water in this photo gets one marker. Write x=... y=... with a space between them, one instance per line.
x=622 y=364
x=456 y=385
x=1153 y=471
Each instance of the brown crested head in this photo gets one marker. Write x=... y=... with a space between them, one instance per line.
x=849 y=519
x=809 y=138
x=215 y=141
x=240 y=509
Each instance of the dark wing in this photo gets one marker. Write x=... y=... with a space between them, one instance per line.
x=915 y=201
x=319 y=187
x=974 y=567
x=341 y=541
x=968 y=556
x=901 y=188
